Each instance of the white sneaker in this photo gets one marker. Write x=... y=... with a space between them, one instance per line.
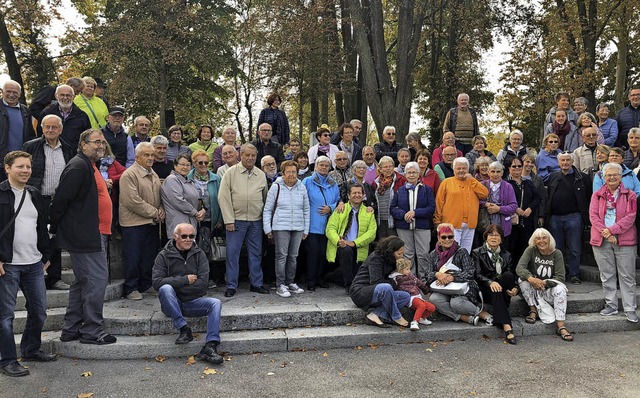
x=282 y=291
x=414 y=326
x=425 y=321
x=293 y=288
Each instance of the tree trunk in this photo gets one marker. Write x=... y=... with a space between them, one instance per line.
x=300 y=108
x=162 y=95
x=10 y=56
x=621 y=62
x=349 y=81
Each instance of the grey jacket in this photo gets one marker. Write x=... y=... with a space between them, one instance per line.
x=170 y=268
x=180 y=201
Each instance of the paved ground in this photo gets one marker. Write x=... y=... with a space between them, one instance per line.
x=595 y=365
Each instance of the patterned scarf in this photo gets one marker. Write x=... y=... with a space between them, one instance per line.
x=496 y=259
x=324 y=148
x=445 y=255
x=384 y=183
x=611 y=197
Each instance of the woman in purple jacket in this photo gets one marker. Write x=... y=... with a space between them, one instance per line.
x=501 y=203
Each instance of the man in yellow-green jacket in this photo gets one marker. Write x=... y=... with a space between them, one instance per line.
x=349 y=234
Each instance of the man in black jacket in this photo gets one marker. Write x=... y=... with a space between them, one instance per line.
x=74 y=120
x=567 y=210
x=81 y=215
x=15 y=121
x=180 y=276
x=24 y=248
x=50 y=154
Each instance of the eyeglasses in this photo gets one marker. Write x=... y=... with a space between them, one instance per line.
x=590 y=135
x=98 y=142
x=269 y=164
x=266 y=131
x=340 y=159
x=203 y=162
x=516 y=166
x=185 y=236
x=184 y=164
x=552 y=142
x=446 y=237
x=611 y=175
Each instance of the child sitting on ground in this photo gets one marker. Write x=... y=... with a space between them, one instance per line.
x=411 y=284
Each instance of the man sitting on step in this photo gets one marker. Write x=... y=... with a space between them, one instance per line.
x=180 y=276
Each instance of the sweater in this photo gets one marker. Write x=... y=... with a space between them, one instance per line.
x=541 y=266
x=508 y=204
x=286 y=208
x=457 y=200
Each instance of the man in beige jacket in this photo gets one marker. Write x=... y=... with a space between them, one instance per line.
x=140 y=212
x=242 y=193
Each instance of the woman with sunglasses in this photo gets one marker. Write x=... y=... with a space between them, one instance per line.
x=324 y=147
x=180 y=197
x=629 y=179
x=207 y=185
x=205 y=142
x=547 y=160
x=528 y=204
x=451 y=263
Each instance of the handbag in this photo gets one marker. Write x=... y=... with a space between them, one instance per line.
x=515 y=219
x=451 y=289
x=218 y=249
x=204 y=240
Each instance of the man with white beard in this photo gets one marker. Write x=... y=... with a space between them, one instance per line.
x=74 y=120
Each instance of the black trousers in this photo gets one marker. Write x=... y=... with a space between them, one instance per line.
x=501 y=300
x=54 y=272
x=346 y=258
x=316 y=245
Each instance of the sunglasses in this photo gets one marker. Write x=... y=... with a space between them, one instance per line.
x=202 y=162
x=446 y=237
x=326 y=135
x=552 y=142
x=516 y=166
x=185 y=236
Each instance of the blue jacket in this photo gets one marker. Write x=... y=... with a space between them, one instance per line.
x=290 y=212
x=321 y=191
x=547 y=163
x=627 y=118
x=629 y=180
x=609 y=131
x=424 y=208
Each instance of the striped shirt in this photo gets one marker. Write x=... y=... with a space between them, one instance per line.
x=53 y=166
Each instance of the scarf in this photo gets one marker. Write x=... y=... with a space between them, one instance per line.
x=444 y=256
x=105 y=163
x=562 y=131
x=496 y=259
x=348 y=149
x=199 y=177
x=303 y=171
x=611 y=197
x=412 y=190
x=324 y=148
x=384 y=183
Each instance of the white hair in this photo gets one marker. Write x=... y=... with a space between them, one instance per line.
x=412 y=165
x=142 y=146
x=12 y=82
x=265 y=159
x=496 y=165
x=51 y=116
x=540 y=232
x=615 y=166
x=322 y=159
x=461 y=160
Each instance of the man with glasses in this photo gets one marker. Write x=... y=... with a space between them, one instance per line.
x=180 y=276
x=266 y=146
x=567 y=210
x=81 y=216
x=388 y=146
x=584 y=157
x=628 y=117
x=140 y=213
x=444 y=168
x=342 y=173
x=74 y=120
x=118 y=139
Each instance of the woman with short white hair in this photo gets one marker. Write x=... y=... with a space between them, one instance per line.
x=541 y=271
x=513 y=149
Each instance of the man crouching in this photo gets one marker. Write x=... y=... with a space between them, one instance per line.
x=180 y=276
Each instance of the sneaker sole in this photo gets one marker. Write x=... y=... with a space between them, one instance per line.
x=609 y=313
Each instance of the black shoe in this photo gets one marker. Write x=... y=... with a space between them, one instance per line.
x=323 y=285
x=106 y=339
x=185 y=335
x=41 y=357
x=311 y=288
x=259 y=289
x=14 y=369
x=575 y=280
x=230 y=292
x=65 y=337
x=209 y=353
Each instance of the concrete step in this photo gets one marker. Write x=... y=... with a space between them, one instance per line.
x=250 y=311
x=325 y=338
x=592 y=274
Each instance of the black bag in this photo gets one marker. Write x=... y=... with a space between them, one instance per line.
x=204 y=240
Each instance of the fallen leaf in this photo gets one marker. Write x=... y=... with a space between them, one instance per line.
x=359 y=347
x=485 y=337
x=473 y=393
x=161 y=358
x=270 y=374
x=622 y=374
x=44 y=390
x=342 y=374
x=434 y=370
x=228 y=358
x=392 y=382
x=444 y=344
x=429 y=350
x=86 y=374
x=147 y=368
x=326 y=354
x=191 y=360
x=85 y=395
x=208 y=371
x=373 y=346
x=283 y=364
x=348 y=324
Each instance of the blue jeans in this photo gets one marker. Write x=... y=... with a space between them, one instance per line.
x=202 y=306
x=30 y=279
x=287 y=245
x=139 y=250
x=567 y=231
x=386 y=302
x=251 y=233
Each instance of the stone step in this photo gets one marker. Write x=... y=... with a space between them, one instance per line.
x=324 y=338
x=592 y=274
x=250 y=311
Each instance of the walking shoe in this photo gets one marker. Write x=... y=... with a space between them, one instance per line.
x=489 y=321
x=106 y=339
x=632 y=317
x=473 y=320
x=60 y=285
x=294 y=288
x=414 y=326
x=425 y=321
x=209 y=353
x=575 y=280
x=212 y=284
x=134 y=295
x=608 y=311
x=186 y=335
x=259 y=289
x=282 y=291
x=230 y=292
x=66 y=337
x=40 y=356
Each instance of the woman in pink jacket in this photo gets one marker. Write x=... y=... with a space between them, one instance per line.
x=613 y=236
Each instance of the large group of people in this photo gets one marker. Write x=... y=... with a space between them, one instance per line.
x=458 y=231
